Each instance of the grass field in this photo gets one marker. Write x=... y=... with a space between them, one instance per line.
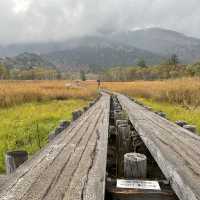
x=185 y=92
x=29 y=110
x=26 y=127
x=179 y=99
x=19 y=92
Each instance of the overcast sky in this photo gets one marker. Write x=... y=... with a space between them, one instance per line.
x=44 y=20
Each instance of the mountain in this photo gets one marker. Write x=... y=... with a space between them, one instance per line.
x=26 y=60
x=163 y=42
x=100 y=52
x=36 y=48
x=118 y=48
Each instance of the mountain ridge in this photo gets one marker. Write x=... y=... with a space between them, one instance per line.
x=118 y=48
x=99 y=56
x=26 y=60
x=163 y=42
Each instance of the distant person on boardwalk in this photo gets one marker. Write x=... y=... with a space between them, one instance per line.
x=99 y=83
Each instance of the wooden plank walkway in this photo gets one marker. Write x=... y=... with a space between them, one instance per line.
x=176 y=150
x=72 y=166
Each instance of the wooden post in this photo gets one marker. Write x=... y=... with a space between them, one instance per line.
x=91 y=103
x=85 y=108
x=117 y=106
x=140 y=103
x=135 y=165
x=112 y=136
x=148 y=108
x=162 y=114
x=80 y=112
x=123 y=133
x=112 y=130
x=58 y=130
x=122 y=122
x=64 y=124
x=119 y=115
x=76 y=114
x=191 y=128
x=181 y=123
x=132 y=99
x=14 y=159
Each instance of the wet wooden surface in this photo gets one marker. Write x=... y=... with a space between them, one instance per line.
x=176 y=150
x=72 y=166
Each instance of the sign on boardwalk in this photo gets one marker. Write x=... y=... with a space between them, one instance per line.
x=138 y=184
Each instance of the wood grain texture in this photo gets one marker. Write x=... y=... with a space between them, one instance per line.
x=135 y=165
x=175 y=149
x=72 y=166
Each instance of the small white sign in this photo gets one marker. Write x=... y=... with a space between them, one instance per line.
x=138 y=184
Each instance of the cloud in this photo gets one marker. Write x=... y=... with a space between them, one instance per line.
x=21 y=6
x=50 y=20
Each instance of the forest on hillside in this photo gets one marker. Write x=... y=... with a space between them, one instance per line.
x=166 y=70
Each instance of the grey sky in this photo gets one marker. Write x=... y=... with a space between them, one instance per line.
x=43 y=20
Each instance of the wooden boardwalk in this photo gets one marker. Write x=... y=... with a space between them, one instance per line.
x=176 y=150
x=72 y=166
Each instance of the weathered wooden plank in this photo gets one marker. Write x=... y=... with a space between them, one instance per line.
x=68 y=173
x=175 y=149
x=188 y=139
x=41 y=161
x=56 y=171
x=3 y=179
x=96 y=176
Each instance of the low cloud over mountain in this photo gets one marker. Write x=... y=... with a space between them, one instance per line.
x=51 y=20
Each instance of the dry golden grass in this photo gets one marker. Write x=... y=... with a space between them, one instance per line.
x=17 y=92
x=184 y=91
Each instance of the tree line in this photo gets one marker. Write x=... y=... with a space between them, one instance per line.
x=32 y=73
x=168 y=69
x=162 y=71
